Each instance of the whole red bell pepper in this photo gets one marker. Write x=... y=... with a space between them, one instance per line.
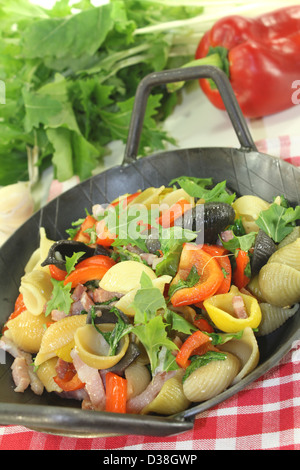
x=261 y=57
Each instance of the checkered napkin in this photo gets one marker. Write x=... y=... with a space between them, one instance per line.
x=263 y=416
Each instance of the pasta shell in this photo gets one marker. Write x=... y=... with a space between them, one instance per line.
x=58 y=335
x=173 y=197
x=138 y=378
x=279 y=284
x=36 y=287
x=248 y=208
x=290 y=238
x=93 y=349
x=124 y=277
x=26 y=331
x=125 y=302
x=288 y=254
x=246 y=349
x=273 y=317
x=46 y=372
x=210 y=380
x=170 y=400
x=148 y=197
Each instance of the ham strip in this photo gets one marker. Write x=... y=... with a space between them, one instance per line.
x=20 y=374
x=7 y=345
x=93 y=382
x=239 y=307
x=136 y=404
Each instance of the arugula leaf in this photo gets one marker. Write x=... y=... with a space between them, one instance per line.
x=112 y=337
x=69 y=95
x=199 y=361
x=72 y=261
x=278 y=221
x=153 y=335
x=244 y=242
x=196 y=187
x=147 y=301
x=61 y=297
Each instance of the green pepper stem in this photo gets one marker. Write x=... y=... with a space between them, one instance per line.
x=215 y=58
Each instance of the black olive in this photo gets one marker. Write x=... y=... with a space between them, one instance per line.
x=105 y=314
x=210 y=219
x=133 y=351
x=264 y=247
x=62 y=248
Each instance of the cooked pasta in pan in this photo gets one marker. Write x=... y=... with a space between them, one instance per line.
x=155 y=301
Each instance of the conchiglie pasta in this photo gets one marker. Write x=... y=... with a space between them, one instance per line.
x=210 y=380
x=279 y=284
x=273 y=317
x=248 y=208
x=93 y=350
x=26 y=331
x=290 y=238
x=58 y=335
x=124 y=277
x=173 y=197
x=148 y=197
x=246 y=349
x=36 y=288
x=288 y=254
x=170 y=400
x=45 y=372
x=138 y=378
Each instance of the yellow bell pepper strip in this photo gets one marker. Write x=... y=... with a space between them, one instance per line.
x=210 y=276
x=116 y=393
x=220 y=309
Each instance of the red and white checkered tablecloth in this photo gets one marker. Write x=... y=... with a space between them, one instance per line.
x=263 y=416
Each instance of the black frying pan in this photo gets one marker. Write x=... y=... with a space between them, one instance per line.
x=247 y=172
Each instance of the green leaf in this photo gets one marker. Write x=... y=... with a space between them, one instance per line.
x=60 y=37
x=73 y=260
x=61 y=297
x=200 y=361
x=147 y=301
x=39 y=109
x=196 y=187
x=192 y=279
x=278 y=221
x=153 y=335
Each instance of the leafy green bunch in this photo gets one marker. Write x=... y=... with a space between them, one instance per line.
x=70 y=76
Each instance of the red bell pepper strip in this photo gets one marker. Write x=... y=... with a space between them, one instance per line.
x=126 y=200
x=105 y=238
x=97 y=260
x=19 y=307
x=208 y=269
x=70 y=381
x=240 y=279
x=56 y=273
x=203 y=324
x=221 y=255
x=261 y=56
x=116 y=393
x=85 y=274
x=193 y=342
x=169 y=216
x=82 y=235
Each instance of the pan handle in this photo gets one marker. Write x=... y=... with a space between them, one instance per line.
x=177 y=75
